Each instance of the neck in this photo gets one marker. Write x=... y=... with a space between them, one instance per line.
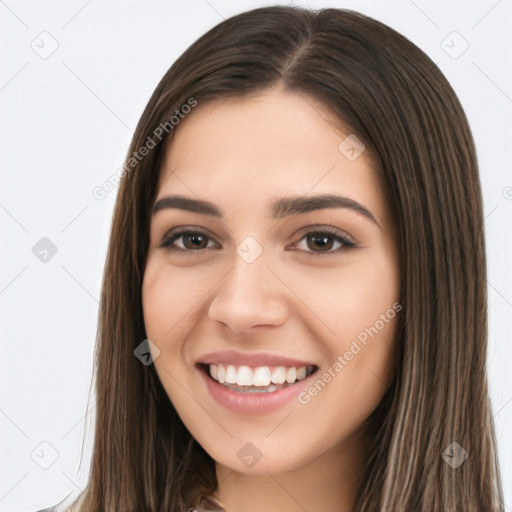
x=328 y=483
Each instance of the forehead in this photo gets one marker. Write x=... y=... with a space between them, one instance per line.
x=246 y=150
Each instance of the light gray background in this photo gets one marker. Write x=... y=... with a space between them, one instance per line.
x=66 y=123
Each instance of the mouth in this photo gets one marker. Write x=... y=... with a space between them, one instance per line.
x=256 y=379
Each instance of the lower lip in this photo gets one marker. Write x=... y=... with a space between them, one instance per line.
x=253 y=403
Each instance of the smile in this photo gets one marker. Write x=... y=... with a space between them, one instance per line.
x=259 y=379
x=254 y=389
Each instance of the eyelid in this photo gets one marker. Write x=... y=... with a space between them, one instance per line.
x=315 y=228
x=340 y=236
x=176 y=233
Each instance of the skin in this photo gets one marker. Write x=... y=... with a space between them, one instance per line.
x=293 y=299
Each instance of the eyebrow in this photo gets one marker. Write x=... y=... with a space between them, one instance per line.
x=280 y=208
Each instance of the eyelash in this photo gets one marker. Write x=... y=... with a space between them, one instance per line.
x=170 y=238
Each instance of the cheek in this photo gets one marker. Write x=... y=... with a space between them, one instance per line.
x=351 y=298
x=368 y=292
x=365 y=323
x=170 y=298
x=360 y=305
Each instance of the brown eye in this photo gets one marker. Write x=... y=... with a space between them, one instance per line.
x=191 y=240
x=321 y=242
x=196 y=241
x=325 y=242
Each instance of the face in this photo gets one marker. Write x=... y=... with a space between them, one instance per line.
x=274 y=313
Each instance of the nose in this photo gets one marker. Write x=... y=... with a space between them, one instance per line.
x=249 y=295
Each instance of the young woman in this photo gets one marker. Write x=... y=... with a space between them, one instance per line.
x=293 y=314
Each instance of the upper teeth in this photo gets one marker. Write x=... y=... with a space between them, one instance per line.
x=257 y=376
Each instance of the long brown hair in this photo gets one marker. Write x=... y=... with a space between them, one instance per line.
x=399 y=104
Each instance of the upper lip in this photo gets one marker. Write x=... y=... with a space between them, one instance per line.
x=251 y=359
